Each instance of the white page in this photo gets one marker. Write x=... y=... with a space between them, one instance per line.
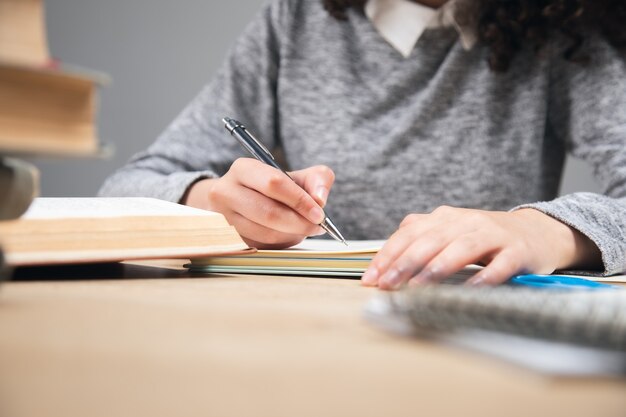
x=331 y=246
x=59 y=208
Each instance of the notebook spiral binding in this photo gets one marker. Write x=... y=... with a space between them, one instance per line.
x=588 y=318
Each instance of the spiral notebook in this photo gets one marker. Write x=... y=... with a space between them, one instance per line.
x=558 y=332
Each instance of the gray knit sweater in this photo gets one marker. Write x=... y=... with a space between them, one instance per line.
x=405 y=135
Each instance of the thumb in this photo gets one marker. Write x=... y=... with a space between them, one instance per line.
x=316 y=181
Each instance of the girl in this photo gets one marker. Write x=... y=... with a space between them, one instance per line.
x=414 y=107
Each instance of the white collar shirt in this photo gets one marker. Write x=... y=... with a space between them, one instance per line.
x=402 y=22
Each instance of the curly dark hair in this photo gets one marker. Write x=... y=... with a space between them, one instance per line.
x=507 y=25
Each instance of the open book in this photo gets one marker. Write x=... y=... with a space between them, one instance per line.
x=79 y=230
x=322 y=257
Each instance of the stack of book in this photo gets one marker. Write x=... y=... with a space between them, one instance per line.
x=49 y=109
x=312 y=257
x=46 y=109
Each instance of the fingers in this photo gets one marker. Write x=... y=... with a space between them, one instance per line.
x=429 y=248
x=259 y=236
x=501 y=268
x=261 y=210
x=265 y=205
x=316 y=181
x=464 y=250
x=408 y=251
x=275 y=185
x=397 y=245
x=412 y=227
x=430 y=260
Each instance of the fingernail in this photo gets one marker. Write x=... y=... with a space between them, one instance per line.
x=392 y=279
x=316 y=215
x=477 y=280
x=322 y=194
x=414 y=283
x=370 y=276
x=424 y=277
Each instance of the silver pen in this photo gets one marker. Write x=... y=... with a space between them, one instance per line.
x=260 y=152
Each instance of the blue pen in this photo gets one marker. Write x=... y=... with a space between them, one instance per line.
x=558 y=282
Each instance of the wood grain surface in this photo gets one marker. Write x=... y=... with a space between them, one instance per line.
x=149 y=340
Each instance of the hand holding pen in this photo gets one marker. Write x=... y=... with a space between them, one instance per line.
x=260 y=152
x=268 y=208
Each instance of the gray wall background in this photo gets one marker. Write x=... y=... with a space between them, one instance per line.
x=159 y=54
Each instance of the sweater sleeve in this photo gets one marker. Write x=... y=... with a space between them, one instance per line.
x=195 y=145
x=587 y=110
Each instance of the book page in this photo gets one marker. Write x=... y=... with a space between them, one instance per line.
x=62 y=208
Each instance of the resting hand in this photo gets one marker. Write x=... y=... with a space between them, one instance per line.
x=428 y=248
x=267 y=208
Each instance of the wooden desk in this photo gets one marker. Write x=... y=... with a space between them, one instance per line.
x=161 y=343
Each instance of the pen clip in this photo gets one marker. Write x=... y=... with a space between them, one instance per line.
x=258 y=142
